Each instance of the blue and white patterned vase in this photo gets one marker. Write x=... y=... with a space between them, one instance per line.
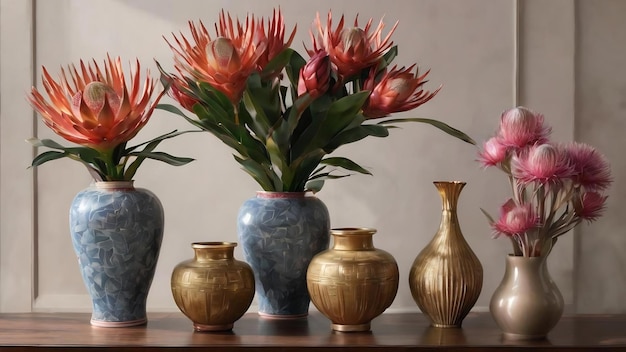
x=117 y=232
x=280 y=232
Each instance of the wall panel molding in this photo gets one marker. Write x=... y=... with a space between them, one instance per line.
x=17 y=227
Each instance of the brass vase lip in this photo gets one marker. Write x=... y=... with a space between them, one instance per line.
x=452 y=182
x=113 y=185
x=213 y=244
x=353 y=231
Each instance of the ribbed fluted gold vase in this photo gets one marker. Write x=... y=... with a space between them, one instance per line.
x=353 y=282
x=446 y=277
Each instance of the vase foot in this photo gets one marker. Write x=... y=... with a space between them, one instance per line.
x=446 y=326
x=351 y=327
x=209 y=328
x=522 y=337
x=118 y=324
x=283 y=316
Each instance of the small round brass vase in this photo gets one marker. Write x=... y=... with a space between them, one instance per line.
x=213 y=289
x=446 y=277
x=352 y=282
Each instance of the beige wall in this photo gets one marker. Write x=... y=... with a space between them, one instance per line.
x=488 y=54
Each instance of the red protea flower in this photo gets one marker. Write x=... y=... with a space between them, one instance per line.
x=543 y=163
x=590 y=205
x=96 y=109
x=515 y=219
x=493 y=152
x=591 y=168
x=224 y=62
x=521 y=127
x=398 y=90
x=273 y=37
x=351 y=49
x=315 y=75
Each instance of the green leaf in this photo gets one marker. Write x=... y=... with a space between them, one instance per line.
x=324 y=129
x=258 y=173
x=345 y=163
x=314 y=185
x=278 y=62
x=47 y=156
x=440 y=125
x=164 y=157
x=489 y=218
x=356 y=134
x=388 y=58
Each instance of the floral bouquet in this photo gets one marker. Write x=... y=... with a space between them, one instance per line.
x=98 y=111
x=554 y=186
x=283 y=127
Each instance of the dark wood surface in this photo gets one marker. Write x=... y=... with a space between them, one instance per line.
x=390 y=332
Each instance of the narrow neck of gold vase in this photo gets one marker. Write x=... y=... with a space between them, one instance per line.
x=205 y=254
x=449 y=192
x=353 y=242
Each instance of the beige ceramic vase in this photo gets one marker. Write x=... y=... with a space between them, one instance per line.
x=352 y=282
x=446 y=277
x=213 y=289
x=527 y=304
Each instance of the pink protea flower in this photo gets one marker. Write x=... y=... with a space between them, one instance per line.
x=543 y=163
x=520 y=127
x=493 y=152
x=590 y=206
x=591 y=168
x=315 y=75
x=398 y=90
x=351 y=49
x=515 y=219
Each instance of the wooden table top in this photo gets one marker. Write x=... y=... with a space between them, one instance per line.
x=390 y=332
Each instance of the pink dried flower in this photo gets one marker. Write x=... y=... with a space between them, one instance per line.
x=493 y=152
x=591 y=168
x=543 y=163
x=515 y=219
x=315 y=75
x=521 y=127
x=590 y=206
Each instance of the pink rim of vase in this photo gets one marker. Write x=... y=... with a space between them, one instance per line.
x=118 y=324
x=280 y=195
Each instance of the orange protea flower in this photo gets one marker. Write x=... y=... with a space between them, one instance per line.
x=398 y=90
x=178 y=91
x=273 y=37
x=96 y=109
x=351 y=49
x=224 y=62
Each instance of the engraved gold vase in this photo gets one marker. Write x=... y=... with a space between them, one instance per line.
x=353 y=282
x=446 y=277
x=213 y=289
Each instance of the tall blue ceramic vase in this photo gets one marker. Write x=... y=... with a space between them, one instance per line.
x=117 y=232
x=280 y=232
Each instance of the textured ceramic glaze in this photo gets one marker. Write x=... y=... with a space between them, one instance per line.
x=116 y=232
x=446 y=277
x=353 y=282
x=213 y=289
x=279 y=234
x=527 y=304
